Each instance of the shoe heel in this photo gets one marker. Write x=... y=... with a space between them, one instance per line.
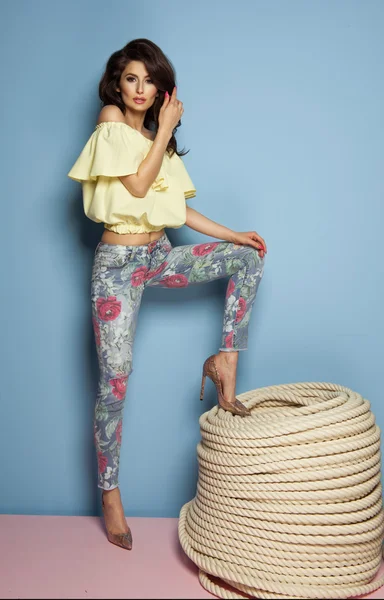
x=202 y=387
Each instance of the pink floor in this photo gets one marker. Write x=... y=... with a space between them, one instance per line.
x=70 y=557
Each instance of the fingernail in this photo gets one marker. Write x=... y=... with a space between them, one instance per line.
x=166 y=94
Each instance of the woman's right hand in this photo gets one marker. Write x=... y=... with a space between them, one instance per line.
x=171 y=112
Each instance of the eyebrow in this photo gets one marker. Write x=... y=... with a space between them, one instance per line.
x=134 y=74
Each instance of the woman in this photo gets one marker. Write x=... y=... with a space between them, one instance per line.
x=135 y=182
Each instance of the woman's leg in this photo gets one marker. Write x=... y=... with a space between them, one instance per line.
x=116 y=296
x=115 y=307
x=200 y=263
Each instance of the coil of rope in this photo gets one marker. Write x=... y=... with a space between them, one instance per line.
x=289 y=500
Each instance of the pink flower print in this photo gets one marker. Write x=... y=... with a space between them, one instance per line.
x=228 y=342
x=96 y=329
x=230 y=288
x=167 y=247
x=118 y=431
x=102 y=462
x=203 y=249
x=175 y=281
x=139 y=276
x=108 y=309
x=151 y=246
x=119 y=386
x=157 y=271
x=241 y=310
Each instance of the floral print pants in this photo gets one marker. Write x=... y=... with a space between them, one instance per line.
x=119 y=276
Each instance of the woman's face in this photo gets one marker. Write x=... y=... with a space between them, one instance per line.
x=136 y=84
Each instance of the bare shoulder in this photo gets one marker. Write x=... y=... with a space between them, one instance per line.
x=110 y=113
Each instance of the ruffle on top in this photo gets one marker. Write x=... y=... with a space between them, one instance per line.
x=113 y=150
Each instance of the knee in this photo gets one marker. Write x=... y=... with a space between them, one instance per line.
x=253 y=257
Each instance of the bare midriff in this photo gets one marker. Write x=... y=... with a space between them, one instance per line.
x=130 y=239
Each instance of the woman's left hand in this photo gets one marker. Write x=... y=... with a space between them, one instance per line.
x=250 y=238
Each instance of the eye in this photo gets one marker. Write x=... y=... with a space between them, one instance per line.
x=130 y=78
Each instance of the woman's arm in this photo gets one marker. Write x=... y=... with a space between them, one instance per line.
x=198 y=222
x=139 y=183
x=202 y=224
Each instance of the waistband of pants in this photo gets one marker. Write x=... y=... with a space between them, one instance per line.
x=142 y=248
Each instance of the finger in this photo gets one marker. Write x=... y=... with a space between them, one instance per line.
x=259 y=247
x=174 y=92
x=258 y=237
x=263 y=242
x=254 y=244
x=253 y=236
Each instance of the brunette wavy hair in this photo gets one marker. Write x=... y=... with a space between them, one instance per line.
x=160 y=70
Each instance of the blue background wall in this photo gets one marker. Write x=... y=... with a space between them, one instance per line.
x=284 y=118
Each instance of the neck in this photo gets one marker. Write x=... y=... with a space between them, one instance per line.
x=135 y=119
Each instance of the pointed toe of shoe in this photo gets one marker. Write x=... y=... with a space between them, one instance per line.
x=242 y=410
x=124 y=540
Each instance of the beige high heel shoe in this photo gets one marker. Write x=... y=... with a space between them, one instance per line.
x=210 y=370
x=124 y=540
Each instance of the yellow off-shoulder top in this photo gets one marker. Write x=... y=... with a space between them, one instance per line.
x=115 y=149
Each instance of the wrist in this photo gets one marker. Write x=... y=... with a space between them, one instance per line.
x=164 y=133
x=230 y=236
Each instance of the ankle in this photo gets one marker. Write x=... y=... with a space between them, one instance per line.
x=111 y=495
x=230 y=358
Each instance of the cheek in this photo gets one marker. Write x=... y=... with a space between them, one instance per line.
x=151 y=91
x=128 y=89
x=153 y=95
